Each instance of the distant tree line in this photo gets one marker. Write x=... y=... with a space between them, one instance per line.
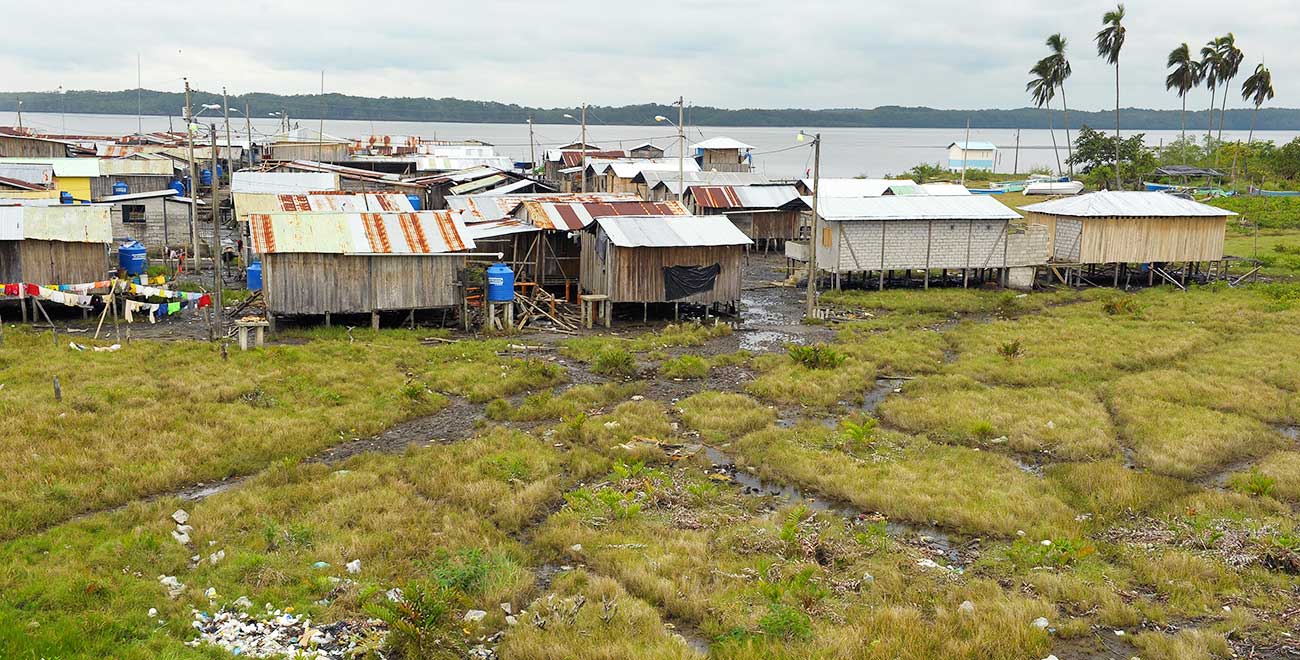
x=342 y=106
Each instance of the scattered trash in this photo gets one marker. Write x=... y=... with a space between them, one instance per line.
x=1119 y=633
x=320 y=564
x=966 y=607
x=153 y=612
x=181 y=517
x=394 y=595
x=507 y=608
x=1040 y=622
x=474 y=616
x=243 y=603
x=174 y=586
x=638 y=397
x=511 y=620
x=1000 y=440
x=211 y=593
x=181 y=537
x=216 y=557
x=576 y=547
x=1046 y=542
x=353 y=566
x=282 y=634
x=1051 y=424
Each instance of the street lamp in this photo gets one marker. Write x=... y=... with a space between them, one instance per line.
x=583 y=122
x=810 y=303
x=681 y=149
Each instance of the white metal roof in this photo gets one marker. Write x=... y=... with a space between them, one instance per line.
x=945 y=189
x=113 y=199
x=854 y=187
x=1126 y=203
x=974 y=145
x=63 y=167
x=283 y=182
x=69 y=223
x=914 y=207
x=722 y=143
x=671 y=231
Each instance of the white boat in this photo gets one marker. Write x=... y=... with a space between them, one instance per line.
x=1053 y=188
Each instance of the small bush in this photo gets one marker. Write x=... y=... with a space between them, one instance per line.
x=1121 y=306
x=614 y=362
x=982 y=429
x=421 y=621
x=785 y=622
x=687 y=367
x=1255 y=483
x=817 y=356
x=1011 y=349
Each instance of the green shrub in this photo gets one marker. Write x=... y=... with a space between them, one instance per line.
x=1255 y=483
x=614 y=362
x=816 y=356
x=785 y=622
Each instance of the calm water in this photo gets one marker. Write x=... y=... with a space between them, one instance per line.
x=846 y=152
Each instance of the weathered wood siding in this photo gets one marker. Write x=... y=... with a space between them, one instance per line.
x=763 y=224
x=102 y=186
x=160 y=214
x=636 y=274
x=17 y=146
x=329 y=153
x=52 y=262
x=1133 y=240
x=301 y=283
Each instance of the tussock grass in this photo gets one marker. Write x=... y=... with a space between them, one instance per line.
x=1108 y=489
x=1190 y=644
x=720 y=416
x=685 y=367
x=1187 y=441
x=1245 y=396
x=1067 y=424
x=547 y=405
x=1280 y=470
x=632 y=629
x=899 y=351
x=784 y=381
x=475 y=371
x=946 y=300
x=588 y=348
x=959 y=488
x=155 y=416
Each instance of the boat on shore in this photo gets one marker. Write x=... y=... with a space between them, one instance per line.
x=1063 y=186
x=1275 y=193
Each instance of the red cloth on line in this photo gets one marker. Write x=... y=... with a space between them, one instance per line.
x=32 y=289
x=205 y=300
x=11 y=289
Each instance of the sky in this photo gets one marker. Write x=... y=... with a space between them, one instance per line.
x=725 y=53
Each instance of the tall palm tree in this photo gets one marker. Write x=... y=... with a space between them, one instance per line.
x=1211 y=66
x=1042 y=89
x=1257 y=89
x=1185 y=76
x=1110 y=40
x=1060 y=68
x=1230 y=61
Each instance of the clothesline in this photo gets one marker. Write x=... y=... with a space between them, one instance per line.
x=68 y=295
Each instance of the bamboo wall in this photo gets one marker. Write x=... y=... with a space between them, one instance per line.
x=636 y=274
x=1133 y=240
x=52 y=262
x=303 y=283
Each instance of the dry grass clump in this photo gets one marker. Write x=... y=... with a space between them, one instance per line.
x=547 y=405
x=1187 y=441
x=897 y=351
x=785 y=381
x=475 y=371
x=588 y=348
x=1112 y=491
x=720 y=416
x=1189 y=386
x=1067 y=424
x=1189 y=644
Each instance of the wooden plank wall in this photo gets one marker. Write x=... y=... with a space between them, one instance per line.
x=52 y=262
x=636 y=274
x=296 y=283
x=1134 y=240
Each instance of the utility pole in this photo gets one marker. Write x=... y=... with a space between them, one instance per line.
x=194 y=179
x=225 y=108
x=217 y=284
x=811 y=302
x=320 y=133
x=965 y=153
x=532 y=150
x=248 y=133
x=681 y=152
x=584 y=147
x=139 y=98
x=1015 y=169
x=20 y=115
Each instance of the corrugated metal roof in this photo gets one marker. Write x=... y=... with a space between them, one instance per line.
x=744 y=197
x=443 y=163
x=35 y=173
x=7 y=182
x=671 y=231
x=627 y=169
x=64 y=167
x=420 y=232
x=914 y=207
x=68 y=223
x=490 y=229
x=722 y=143
x=477 y=184
x=1126 y=204
x=574 y=158
x=974 y=145
x=338 y=201
x=283 y=182
x=945 y=189
x=854 y=187
x=576 y=215
x=496 y=204
x=152 y=194
x=136 y=166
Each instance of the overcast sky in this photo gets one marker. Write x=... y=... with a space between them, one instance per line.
x=727 y=53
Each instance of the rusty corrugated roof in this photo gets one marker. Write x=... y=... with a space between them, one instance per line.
x=568 y=216
x=745 y=197
x=414 y=233
x=574 y=158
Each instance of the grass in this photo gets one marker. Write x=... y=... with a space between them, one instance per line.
x=786 y=381
x=722 y=416
x=1188 y=441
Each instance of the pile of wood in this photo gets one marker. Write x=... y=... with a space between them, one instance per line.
x=544 y=311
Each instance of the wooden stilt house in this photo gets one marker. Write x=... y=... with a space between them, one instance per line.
x=54 y=244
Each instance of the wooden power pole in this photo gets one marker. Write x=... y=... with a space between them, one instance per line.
x=217 y=284
x=811 y=302
x=194 y=180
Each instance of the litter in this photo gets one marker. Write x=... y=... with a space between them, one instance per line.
x=282 y=635
x=174 y=586
x=353 y=566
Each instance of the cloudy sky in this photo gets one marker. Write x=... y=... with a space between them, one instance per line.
x=728 y=53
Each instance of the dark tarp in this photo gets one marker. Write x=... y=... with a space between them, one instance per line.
x=1187 y=170
x=683 y=281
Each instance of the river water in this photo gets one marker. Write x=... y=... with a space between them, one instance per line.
x=846 y=152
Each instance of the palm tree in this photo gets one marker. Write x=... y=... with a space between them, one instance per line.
x=1110 y=40
x=1184 y=77
x=1042 y=89
x=1257 y=89
x=1060 y=68
x=1211 y=66
x=1230 y=60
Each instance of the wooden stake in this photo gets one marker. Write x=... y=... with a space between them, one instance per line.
x=58 y=391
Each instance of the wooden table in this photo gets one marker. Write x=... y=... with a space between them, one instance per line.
x=243 y=327
x=595 y=306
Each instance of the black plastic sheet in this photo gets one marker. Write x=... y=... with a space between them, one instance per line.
x=683 y=281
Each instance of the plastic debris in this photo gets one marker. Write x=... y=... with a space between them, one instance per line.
x=153 y=612
x=181 y=517
x=474 y=615
x=216 y=557
x=353 y=566
x=507 y=608
x=211 y=593
x=281 y=635
x=181 y=537
x=320 y=564
x=966 y=607
x=174 y=586
x=1040 y=622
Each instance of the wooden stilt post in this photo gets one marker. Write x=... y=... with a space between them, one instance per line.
x=374 y=319
x=1116 y=282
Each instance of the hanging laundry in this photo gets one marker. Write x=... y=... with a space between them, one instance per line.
x=205 y=300
x=11 y=289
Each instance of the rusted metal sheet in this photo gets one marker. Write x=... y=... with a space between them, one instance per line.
x=574 y=158
x=568 y=216
x=418 y=232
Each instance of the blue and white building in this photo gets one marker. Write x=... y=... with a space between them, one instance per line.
x=972 y=155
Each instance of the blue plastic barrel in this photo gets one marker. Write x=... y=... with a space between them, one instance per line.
x=177 y=186
x=255 y=276
x=120 y=188
x=132 y=257
x=65 y=197
x=415 y=201
x=205 y=177
x=500 y=283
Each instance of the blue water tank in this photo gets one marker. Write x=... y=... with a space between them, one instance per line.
x=415 y=201
x=220 y=171
x=132 y=257
x=500 y=283
x=255 y=276
x=177 y=186
x=65 y=197
x=120 y=188
x=205 y=177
